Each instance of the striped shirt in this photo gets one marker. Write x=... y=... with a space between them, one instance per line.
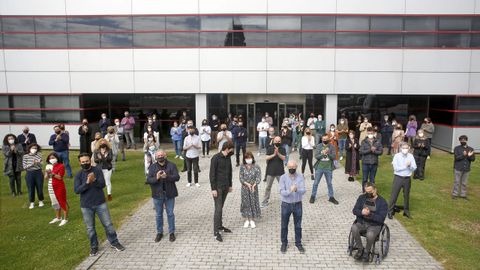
x=28 y=162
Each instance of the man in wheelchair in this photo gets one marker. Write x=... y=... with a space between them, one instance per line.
x=371 y=210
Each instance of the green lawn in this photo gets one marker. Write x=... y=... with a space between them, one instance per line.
x=448 y=229
x=27 y=241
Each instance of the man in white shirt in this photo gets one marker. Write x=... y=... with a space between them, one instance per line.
x=262 y=129
x=192 y=146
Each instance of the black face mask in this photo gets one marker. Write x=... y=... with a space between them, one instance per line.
x=26 y=131
x=325 y=142
x=277 y=145
x=191 y=132
x=230 y=154
x=224 y=129
x=161 y=159
x=292 y=171
x=58 y=132
x=369 y=195
x=463 y=143
x=204 y=123
x=86 y=166
x=308 y=133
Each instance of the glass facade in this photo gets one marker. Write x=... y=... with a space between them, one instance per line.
x=317 y=31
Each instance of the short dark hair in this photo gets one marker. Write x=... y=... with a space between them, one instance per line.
x=227 y=145
x=5 y=139
x=83 y=155
x=32 y=145
x=59 y=160
x=463 y=137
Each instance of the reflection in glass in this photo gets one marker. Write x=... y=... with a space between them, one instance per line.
x=475 y=41
x=277 y=39
x=183 y=23
x=453 y=40
x=468 y=119
x=284 y=22
x=351 y=39
x=4 y=116
x=62 y=116
x=468 y=103
x=84 y=40
x=216 y=23
x=180 y=39
x=83 y=24
x=116 y=23
x=54 y=24
x=419 y=40
x=251 y=22
x=72 y=102
x=18 y=24
x=476 y=24
x=318 y=23
x=385 y=39
x=148 y=40
x=386 y=23
x=110 y=40
x=250 y=39
x=26 y=102
x=19 y=40
x=420 y=23
x=352 y=23
x=318 y=39
x=149 y=23
x=26 y=116
x=216 y=39
x=454 y=23
x=51 y=41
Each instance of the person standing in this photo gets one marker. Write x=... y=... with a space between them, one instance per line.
x=311 y=124
x=292 y=189
x=60 y=142
x=268 y=119
x=421 y=146
x=121 y=137
x=342 y=129
x=370 y=150
x=32 y=163
x=403 y=167
x=85 y=133
x=286 y=135
x=221 y=185
x=275 y=156
x=192 y=146
x=411 y=130
x=215 y=126
x=104 y=123
x=262 y=128
x=429 y=129
x=26 y=138
x=250 y=176
x=333 y=139
x=54 y=173
x=386 y=129
x=89 y=184
x=93 y=146
x=363 y=129
x=113 y=140
x=176 y=135
x=325 y=155
x=205 y=132
x=13 y=153
x=162 y=176
x=320 y=128
x=397 y=137
x=308 y=143
x=149 y=149
x=464 y=156
x=103 y=156
x=128 y=124
x=223 y=136
x=352 y=164
x=240 y=134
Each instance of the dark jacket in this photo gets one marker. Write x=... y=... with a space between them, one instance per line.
x=25 y=141
x=165 y=186
x=60 y=145
x=103 y=162
x=239 y=134
x=369 y=157
x=90 y=194
x=9 y=167
x=386 y=127
x=462 y=162
x=103 y=124
x=377 y=217
x=287 y=137
x=351 y=147
x=215 y=125
x=220 y=172
x=421 y=147
x=85 y=139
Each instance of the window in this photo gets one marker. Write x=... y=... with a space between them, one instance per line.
x=386 y=23
x=83 y=24
x=420 y=40
x=250 y=39
x=251 y=22
x=420 y=23
x=120 y=23
x=468 y=119
x=61 y=116
x=475 y=41
x=454 y=23
x=319 y=39
x=284 y=23
x=14 y=24
x=453 y=40
x=182 y=39
x=216 y=23
x=84 y=40
x=278 y=39
x=26 y=102
x=148 y=40
x=51 y=40
x=183 y=23
x=72 y=102
x=346 y=39
x=19 y=40
x=114 y=40
x=385 y=40
x=476 y=24
x=216 y=39
x=468 y=103
x=4 y=114
x=318 y=23
x=149 y=23
x=55 y=24
x=352 y=23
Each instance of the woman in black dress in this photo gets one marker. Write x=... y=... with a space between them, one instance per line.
x=352 y=163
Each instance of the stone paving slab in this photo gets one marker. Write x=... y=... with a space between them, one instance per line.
x=325 y=232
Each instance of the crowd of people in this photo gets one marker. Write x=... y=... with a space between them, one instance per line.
x=365 y=142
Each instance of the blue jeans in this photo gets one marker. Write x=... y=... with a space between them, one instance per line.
x=34 y=181
x=368 y=172
x=287 y=210
x=262 y=144
x=287 y=151
x=178 y=147
x=66 y=161
x=169 y=205
x=104 y=216
x=318 y=177
x=341 y=146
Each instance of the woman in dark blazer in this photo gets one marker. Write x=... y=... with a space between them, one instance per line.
x=352 y=164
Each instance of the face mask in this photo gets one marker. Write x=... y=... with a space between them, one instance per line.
x=11 y=141
x=104 y=117
x=370 y=136
x=292 y=171
x=85 y=166
x=351 y=136
x=161 y=159
x=463 y=143
x=150 y=121
x=224 y=129
x=404 y=151
x=33 y=151
x=240 y=124
x=420 y=134
x=332 y=129
x=53 y=161
x=277 y=144
x=117 y=123
x=320 y=118
x=341 y=122
x=191 y=133
x=394 y=123
x=366 y=120
x=230 y=154
x=26 y=131
x=369 y=195
x=152 y=148
x=386 y=118
x=214 y=118
x=325 y=142
x=149 y=129
x=58 y=132
x=263 y=120
x=308 y=133
x=249 y=161
x=111 y=132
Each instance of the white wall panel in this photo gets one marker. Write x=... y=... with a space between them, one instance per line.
x=233 y=59
x=371 y=6
x=2 y=62
x=32 y=7
x=166 y=59
x=38 y=82
x=435 y=83
x=165 y=7
x=96 y=7
x=102 y=82
x=474 y=84
x=437 y=60
x=475 y=61
x=368 y=82
x=300 y=59
x=300 y=82
x=36 y=60
x=302 y=6
x=233 y=82
x=232 y=6
x=166 y=82
x=216 y=81
x=368 y=60
x=3 y=82
x=101 y=60
x=440 y=6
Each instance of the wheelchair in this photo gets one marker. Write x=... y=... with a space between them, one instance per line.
x=383 y=237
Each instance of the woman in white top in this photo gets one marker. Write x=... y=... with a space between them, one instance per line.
x=223 y=136
x=308 y=143
x=114 y=141
x=205 y=132
x=149 y=148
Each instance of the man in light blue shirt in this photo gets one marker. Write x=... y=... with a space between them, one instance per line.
x=403 y=167
x=292 y=189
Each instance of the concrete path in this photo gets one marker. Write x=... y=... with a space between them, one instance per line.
x=325 y=232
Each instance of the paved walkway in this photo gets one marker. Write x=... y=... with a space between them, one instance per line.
x=325 y=232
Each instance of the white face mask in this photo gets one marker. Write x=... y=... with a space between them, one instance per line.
x=104 y=117
x=404 y=151
x=370 y=136
x=150 y=139
x=341 y=121
x=117 y=123
x=332 y=129
x=33 y=151
x=249 y=161
x=53 y=161
x=351 y=136
x=11 y=141
x=420 y=134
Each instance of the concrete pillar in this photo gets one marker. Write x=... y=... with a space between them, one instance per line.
x=331 y=107
x=200 y=109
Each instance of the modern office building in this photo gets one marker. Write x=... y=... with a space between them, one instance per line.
x=62 y=60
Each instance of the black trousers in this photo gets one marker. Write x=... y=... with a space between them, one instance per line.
x=192 y=163
x=16 y=180
x=307 y=156
x=238 y=147
x=400 y=182
x=420 y=171
x=206 y=146
x=218 y=215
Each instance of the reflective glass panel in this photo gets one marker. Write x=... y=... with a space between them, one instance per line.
x=284 y=39
x=152 y=23
x=385 y=40
x=318 y=23
x=420 y=23
x=19 y=40
x=284 y=23
x=250 y=39
x=453 y=40
x=420 y=40
x=216 y=22
x=386 y=23
x=51 y=41
x=84 y=40
x=16 y=24
x=346 y=39
x=318 y=39
x=250 y=22
x=116 y=23
x=183 y=23
x=149 y=40
x=83 y=24
x=53 y=24
x=216 y=39
x=112 y=40
x=180 y=39
x=454 y=23
x=353 y=23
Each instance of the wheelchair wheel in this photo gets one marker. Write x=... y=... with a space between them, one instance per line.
x=384 y=242
x=351 y=244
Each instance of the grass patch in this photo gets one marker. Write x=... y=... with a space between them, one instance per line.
x=27 y=241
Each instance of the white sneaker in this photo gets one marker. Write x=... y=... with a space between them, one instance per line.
x=181 y=157
x=176 y=156
x=55 y=220
x=32 y=205
x=188 y=185
x=245 y=225
x=197 y=185
x=40 y=204
x=64 y=221
x=252 y=224
x=341 y=158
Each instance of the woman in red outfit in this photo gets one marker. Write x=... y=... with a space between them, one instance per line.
x=54 y=172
